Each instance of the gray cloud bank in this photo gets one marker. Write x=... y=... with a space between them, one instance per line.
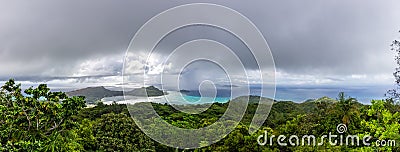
x=313 y=42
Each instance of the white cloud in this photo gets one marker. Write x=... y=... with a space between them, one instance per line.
x=285 y=79
x=108 y=65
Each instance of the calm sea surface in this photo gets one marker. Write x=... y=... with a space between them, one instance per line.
x=296 y=94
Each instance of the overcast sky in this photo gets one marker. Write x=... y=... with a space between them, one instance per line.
x=325 y=43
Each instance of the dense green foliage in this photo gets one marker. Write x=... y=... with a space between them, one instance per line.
x=40 y=120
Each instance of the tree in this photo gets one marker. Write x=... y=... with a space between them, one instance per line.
x=345 y=105
x=382 y=124
x=394 y=93
x=118 y=132
x=40 y=120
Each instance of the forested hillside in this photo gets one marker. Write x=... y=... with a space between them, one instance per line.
x=52 y=121
x=94 y=94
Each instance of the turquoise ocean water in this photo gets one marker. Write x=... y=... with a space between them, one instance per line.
x=296 y=94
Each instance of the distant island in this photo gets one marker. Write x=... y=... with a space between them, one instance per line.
x=184 y=91
x=94 y=94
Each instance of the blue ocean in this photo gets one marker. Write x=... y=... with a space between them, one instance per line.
x=297 y=94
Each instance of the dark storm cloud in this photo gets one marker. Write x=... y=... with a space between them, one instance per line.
x=337 y=37
x=51 y=39
x=41 y=35
x=186 y=34
x=49 y=78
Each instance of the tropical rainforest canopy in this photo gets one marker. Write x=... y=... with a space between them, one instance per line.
x=40 y=120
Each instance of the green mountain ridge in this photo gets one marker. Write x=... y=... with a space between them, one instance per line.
x=94 y=94
x=322 y=99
